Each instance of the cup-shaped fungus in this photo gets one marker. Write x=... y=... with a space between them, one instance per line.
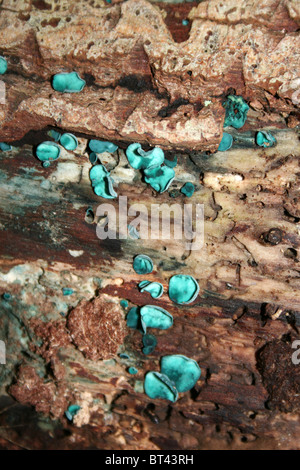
x=183 y=289
x=149 y=343
x=142 y=264
x=265 y=139
x=68 y=82
x=69 y=141
x=160 y=386
x=5 y=147
x=102 y=182
x=153 y=316
x=3 y=65
x=159 y=178
x=47 y=151
x=236 y=111
x=141 y=160
x=188 y=189
x=183 y=371
x=226 y=142
x=99 y=146
x=155 y=289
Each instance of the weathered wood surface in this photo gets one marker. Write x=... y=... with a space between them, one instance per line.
x=241 y=327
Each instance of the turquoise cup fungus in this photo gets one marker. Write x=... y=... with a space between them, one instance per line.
x=183 y=371
x=68 y=82
x=99 y=146
x=158 y=385
x=155 y=289
x=159 y=178
x=3 y=65
x=188 y=189
x=183 y=289
x=54 y=135
x=102 y=182
x=47 y=151
x=153 y=316
x=69 y=141
x=141 y=160
x=133 y=319
x=142 y=264
x=265 y=139
x=72 y=411
x=226 y=142
x=5 y=147
x=236 y=111
x=149 y=343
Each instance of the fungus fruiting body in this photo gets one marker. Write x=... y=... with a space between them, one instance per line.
x=69 y=141
x=102 y=182
x=124 y=303
x=188 y=189
x=158 y=385
x=183 y=371
x=185 y=22
x=72 y=411
x=155 y=289
x=226 y=142
x=133 y=233
x=5 y=147
x=142 y=264
x=149 y=343
x=67 y=291
x=99 y=146
x=54 y=135
x=93 y=157
x=153 y=316
x=47 y=151
x=170 y=163
x=236 y=111
x=3 y=65
x=183 y=289
x=133 y=319
x=265 y=139
x=7 y=296
x=68 y=82
x=159 y=178
x=141 y=160
x=132 y=370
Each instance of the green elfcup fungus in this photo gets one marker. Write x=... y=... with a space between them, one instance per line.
x=142 y=264
x=47 y=151
x=183 y=289
x=132 y=370
x=153 y=316
x=93 y=158
x=69 y=141
x=133 y=319
x=155 y=289
x=54 y=135
x=170 y=163
x=159 y=178
x=183 y=371
x=72 y=411
x=5 y=147
x=236 y=111
x=68 y=82
x=265 y=139
x=158 y=385
x=149 y=343
x=3 y=65
x=226 y=142
x=188 y=189
x=99 y=146
x=102 y=182
x=141 y=160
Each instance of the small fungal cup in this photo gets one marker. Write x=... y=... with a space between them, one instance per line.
x=69 y=141
x=47 y=151
x=68 y=82
x=3 y=65
x=181 y=370
x=183 y=289
x=158 y=385
x=142 y=264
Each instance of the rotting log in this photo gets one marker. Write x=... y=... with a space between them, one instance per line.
x=151 y=80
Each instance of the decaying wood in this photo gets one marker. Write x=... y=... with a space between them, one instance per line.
x=241 y=327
